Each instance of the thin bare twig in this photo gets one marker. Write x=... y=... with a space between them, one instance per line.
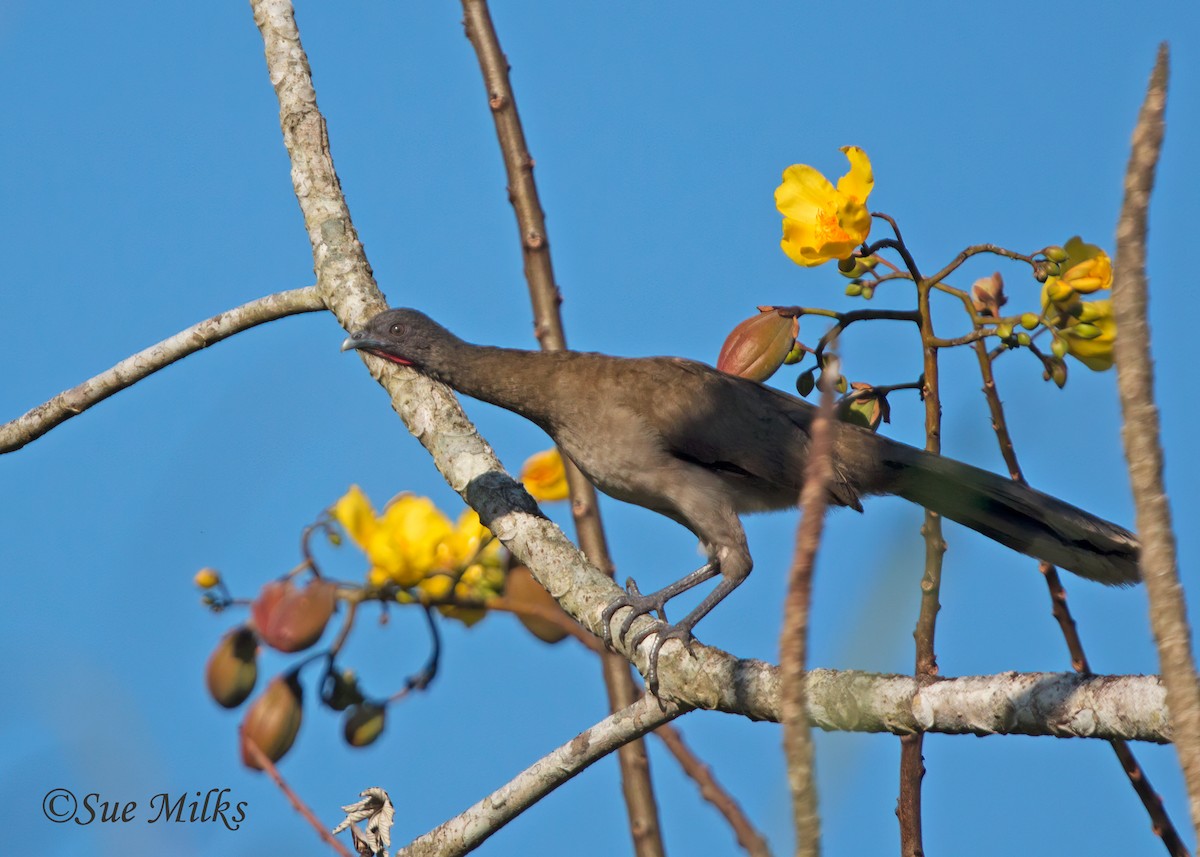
x=1140 y=432
x=636 y=784
x=32 y=425
x=912 y=763
x=260 y=759
x=466 y=831
x=1160 y=821
x=748 y=837
x=793 y=640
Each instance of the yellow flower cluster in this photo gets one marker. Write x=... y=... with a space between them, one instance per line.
x=821 y=222
x=1084 y=329
x=415 y=546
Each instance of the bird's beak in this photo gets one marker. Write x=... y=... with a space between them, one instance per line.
x=360 y=340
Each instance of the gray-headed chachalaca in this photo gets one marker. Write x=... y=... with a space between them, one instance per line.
x=702 y=447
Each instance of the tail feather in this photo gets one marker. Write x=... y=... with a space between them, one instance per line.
x=1015 y=515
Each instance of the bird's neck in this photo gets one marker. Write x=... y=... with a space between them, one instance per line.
x=518 y=380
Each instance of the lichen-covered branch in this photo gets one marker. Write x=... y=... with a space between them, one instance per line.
x=32 y=425
x=466 y=831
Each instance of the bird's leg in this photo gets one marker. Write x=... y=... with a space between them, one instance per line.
x=681 y=630
x=654 y=602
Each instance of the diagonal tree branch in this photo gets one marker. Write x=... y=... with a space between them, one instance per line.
x=1135 y=382
x=466 y=831
x=32 y=425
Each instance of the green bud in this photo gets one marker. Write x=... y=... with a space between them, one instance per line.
x=842 y=384
x=794 y=356
x=1056 y=253
x=1052 y=269
x=1023 y=338
x=851 y=267
x=1084 y=330
x=868 y=293
x=364 y=723
x=1059 y=347
x=854 y=289
x=1004 y=331
x=806 y=382
x=1029 y=320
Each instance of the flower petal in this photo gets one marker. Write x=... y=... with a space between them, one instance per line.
x=353 y=511
x=804 y=193
x=858 y=183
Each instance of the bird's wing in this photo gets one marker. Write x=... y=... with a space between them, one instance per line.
x=740 y=428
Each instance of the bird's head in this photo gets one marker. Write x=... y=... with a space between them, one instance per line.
x=407 y=337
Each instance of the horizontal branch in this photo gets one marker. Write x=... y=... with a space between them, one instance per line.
x=35 y=423
x=467 y=830
x=1063 y=705
x=1058 y=704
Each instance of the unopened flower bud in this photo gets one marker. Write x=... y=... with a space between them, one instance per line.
x=274 y=719
x=1056 y=253
x=805 y=383
x=291 y=619
x=851 y=266
x=1029 y=320
x=207 y=578
x=1085 y=330
x=1023 y=338
x=1004 y=331
x=854 y=289
x=1058 y=373
x=364 y=723
x=757 y=346
x=1059 y=347
x=233 y=668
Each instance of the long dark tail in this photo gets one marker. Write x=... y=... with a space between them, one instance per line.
x=1018 y=517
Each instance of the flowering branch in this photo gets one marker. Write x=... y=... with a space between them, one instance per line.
x=32 y=425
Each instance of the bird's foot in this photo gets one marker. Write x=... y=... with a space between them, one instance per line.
x=642 y=605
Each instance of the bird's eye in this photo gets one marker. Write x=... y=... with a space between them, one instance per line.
x=398 y=329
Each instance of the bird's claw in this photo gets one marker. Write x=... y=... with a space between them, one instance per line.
x=662 y=633
x=641 y=605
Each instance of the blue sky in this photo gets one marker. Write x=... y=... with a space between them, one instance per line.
x=146 y=187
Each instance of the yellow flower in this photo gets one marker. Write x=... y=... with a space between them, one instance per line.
x=1088 y=268
x=414 y=545
x=402 y=543
x=544 y=477
x=821 y=222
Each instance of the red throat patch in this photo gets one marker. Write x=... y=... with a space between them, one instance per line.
x=391 y=357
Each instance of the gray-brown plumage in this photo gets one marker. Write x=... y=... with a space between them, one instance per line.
x=701 y=447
